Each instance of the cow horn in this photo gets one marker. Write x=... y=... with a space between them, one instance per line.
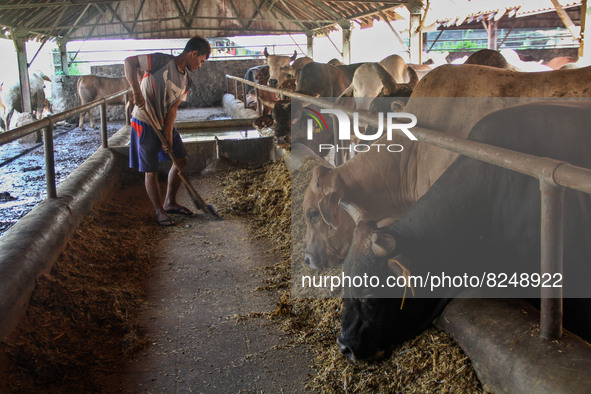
x=356 y=212
x=413 y=76
x=265 y=52
x=294 y=56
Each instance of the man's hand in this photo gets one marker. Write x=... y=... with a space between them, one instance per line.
x=165 y=147
x=138 y=99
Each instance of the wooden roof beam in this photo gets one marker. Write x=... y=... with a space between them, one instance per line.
x=76 y=22
x=137 y=16
x=237 y=14
x=116 y=16
x=54 y=4
x=182 y=12
x=568 y=23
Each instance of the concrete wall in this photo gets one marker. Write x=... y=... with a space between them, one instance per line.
x=209 y=86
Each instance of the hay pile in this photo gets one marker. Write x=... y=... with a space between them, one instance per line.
x=82 y=317
x=430 y=362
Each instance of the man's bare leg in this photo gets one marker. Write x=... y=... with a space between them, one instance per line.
x=173 y=185
x=153 y=190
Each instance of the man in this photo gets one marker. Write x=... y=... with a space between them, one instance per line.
x=165 y=83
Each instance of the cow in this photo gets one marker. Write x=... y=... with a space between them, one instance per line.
x=366 y=180
x=488 y=57
x=558 y=62
x=279 y=67
x=335 y=62
x=526 y=66
x=373 y=80
x=405 y=176
x=92 y=87
x=323 y=80
x=397 y=67
x=11 y=97
x=296 y=67
x=318 y=80
x=476 y=218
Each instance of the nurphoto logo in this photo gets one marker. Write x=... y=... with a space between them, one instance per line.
x=387 y=122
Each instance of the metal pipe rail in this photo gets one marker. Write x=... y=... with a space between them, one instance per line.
x=553 y=176
x=47 y=124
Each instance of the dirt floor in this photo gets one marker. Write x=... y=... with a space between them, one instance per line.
x=202 y=326
x=209 y=327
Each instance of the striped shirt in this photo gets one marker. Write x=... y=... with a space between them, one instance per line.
x=162 y=85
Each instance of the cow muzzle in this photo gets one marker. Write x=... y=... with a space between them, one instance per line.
x=311 y=259
x=348 y=352
x=272 y=83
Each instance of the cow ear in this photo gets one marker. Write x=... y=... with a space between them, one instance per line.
x=382 y=244
x=266 y=53
x=385 y=222
x=318 y=175
x=330 y=210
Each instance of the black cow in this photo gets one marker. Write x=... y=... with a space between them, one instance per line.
x=476 y=218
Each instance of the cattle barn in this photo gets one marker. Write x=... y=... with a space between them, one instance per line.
x=326 y=203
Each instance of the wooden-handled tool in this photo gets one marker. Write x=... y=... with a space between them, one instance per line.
x=195 y=197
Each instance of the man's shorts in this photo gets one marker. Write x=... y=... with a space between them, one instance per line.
x=145 y=149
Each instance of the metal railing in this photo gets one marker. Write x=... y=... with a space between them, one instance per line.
x=47 y=125
x=554 y=176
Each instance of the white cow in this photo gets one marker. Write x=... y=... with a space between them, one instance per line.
x=513 y=59
x=386 y=78
x=11 y=97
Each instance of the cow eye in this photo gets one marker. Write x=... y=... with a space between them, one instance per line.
x=313 y=215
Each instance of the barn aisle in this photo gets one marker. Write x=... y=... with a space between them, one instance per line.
x=209 y=328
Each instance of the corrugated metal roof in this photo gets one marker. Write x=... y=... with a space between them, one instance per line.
x=457 y=12
x=101 y=19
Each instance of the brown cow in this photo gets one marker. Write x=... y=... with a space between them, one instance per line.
x=403 y=177
x=279 y=67
x=91 y=87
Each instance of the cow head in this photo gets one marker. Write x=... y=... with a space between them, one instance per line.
x=262 y=75
x=328 y=232
x=297 y=66
x=282 y=121
x=371 y=323
x=279 y=67
x=397 y=93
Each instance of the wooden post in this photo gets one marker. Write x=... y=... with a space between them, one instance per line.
x=62 y=46
x=23 y=70
x=491 y=30
x=568 y=23
x=585 y=50
x=309 y=45
x=415 y=8
x=346 y=26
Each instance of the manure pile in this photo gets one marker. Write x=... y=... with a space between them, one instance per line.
x=84 y=313
x=431 y=362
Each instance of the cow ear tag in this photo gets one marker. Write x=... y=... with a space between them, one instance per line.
x=329 y=215
x=401 y=270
